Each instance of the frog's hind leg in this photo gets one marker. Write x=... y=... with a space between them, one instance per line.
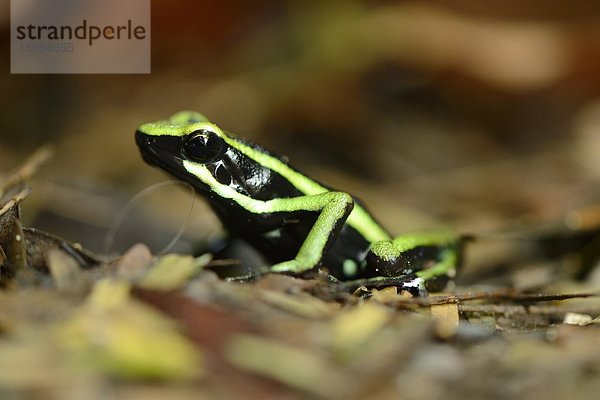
x=425 y=259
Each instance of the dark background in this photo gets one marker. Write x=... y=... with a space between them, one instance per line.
x=477 y=115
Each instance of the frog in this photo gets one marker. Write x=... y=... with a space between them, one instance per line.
x=298 y=223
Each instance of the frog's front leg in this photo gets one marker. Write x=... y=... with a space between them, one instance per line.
x=333 y=208
x=424 y=257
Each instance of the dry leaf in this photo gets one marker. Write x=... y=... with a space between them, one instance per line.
x=65 y=271
x=291 y=366
x=122 y=336
x=352 y=328
x=134 y=263
x=173 y=271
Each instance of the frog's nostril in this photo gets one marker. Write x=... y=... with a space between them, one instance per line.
x=144 y=140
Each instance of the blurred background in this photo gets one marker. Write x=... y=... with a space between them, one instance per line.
x=478 y=115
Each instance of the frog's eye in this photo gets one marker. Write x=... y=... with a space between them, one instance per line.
x=202 y=146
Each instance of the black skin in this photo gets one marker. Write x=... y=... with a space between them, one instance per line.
x=248 y=177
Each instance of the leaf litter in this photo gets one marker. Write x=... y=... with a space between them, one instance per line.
x=72 y=323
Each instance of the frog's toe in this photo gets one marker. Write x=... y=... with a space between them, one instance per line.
x=291 y=266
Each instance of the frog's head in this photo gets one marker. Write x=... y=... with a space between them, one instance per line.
x=192 y=149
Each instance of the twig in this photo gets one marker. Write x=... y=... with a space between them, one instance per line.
x=501 y=294
x=511 y=310
x=27 y=169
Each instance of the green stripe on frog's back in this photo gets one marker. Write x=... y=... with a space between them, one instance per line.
x=359 y=219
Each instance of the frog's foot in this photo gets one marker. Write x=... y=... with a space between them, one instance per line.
x=289 y=267
x=433 y=258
